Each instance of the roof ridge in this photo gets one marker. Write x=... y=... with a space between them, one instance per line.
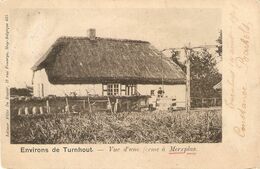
x=103 y=38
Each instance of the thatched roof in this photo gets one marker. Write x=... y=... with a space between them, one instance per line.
x=79 y=60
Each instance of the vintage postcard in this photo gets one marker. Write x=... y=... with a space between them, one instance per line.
x=120 y=84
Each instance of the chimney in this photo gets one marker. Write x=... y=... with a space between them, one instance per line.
x=92 y=34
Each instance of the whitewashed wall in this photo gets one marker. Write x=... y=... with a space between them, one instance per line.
x=40 y=77
x=172 y=91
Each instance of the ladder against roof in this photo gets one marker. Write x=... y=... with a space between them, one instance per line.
x=92 y=102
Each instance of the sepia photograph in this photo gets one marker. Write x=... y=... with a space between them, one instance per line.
x=116 y=76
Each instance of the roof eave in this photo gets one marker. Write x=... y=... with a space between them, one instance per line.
x=104 y=80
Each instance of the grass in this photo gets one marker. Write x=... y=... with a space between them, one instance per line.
x=198 y=126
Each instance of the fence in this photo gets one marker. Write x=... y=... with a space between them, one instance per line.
x=35 y=106
x=206 y=102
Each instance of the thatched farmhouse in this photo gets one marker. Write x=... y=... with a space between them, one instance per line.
x=103 y=66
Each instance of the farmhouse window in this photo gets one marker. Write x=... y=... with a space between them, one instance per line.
x=112 y=89
x=130 y=89
x=119 y=89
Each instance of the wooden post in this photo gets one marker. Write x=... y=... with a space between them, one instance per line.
x=208 y=124
x=41 y=110
x=127 y=106
x=162 y=73
x=89 y=105
x=215 y=102
x=34 y=110
x=20 y=111
x=84 y=104
x=26 y=110
x=110 y=105
x=115 y=106
x=48 y=106
x=187 y=53
x=67 y=108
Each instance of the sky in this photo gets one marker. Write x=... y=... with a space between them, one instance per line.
x=34 y=31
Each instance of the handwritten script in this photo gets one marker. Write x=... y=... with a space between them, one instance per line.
x=238 y=65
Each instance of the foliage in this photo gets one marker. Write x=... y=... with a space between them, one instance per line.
x=126 y=127
x=219 y=46
x=204 y=74
x=175 y=58
x=21 y=91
